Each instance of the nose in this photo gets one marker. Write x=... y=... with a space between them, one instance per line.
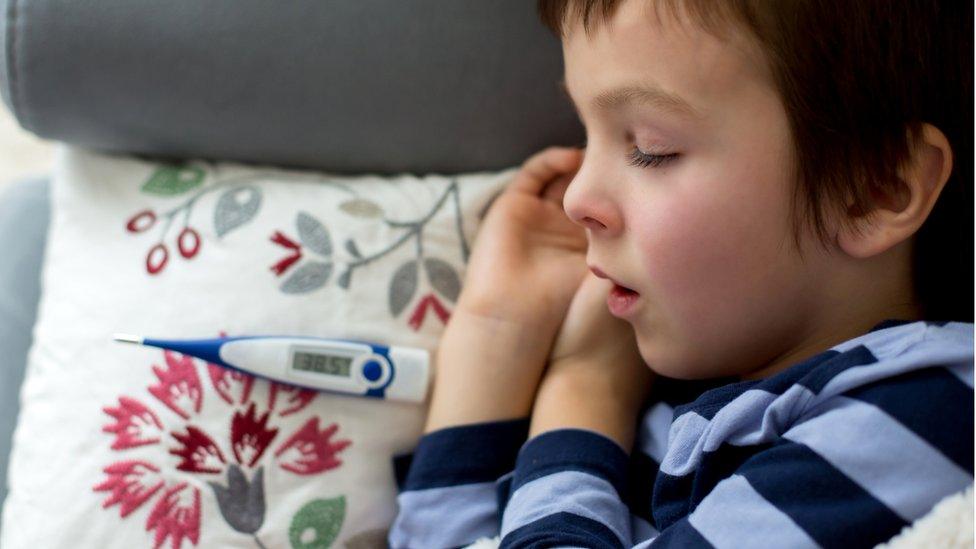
x=590 y=204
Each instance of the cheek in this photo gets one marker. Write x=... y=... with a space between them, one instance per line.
x=712 y=257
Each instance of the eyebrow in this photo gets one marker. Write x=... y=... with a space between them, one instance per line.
x=617 y=98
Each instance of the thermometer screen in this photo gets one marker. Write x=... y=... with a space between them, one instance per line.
x=332 y=365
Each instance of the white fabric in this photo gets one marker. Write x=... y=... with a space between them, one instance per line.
x=96 y=282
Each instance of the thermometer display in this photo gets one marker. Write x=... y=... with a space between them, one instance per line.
x=333 y=365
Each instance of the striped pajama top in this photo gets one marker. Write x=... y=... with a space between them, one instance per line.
x=841 y=450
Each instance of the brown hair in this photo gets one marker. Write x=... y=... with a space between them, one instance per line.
x=858 y=80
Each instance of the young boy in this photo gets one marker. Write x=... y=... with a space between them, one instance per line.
x=769 y=201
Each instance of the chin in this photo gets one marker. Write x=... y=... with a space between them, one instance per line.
x=672 y=364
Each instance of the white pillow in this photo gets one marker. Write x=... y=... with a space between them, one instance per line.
x=130 y=447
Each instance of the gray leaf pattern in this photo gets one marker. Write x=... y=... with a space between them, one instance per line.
x=403 y=287
x=443 y=277
x=236 y=207
x=313 y=234
x=310 y=276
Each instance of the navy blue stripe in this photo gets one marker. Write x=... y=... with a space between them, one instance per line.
x=675 y=497
x=466 y=454
x=682 y=536
x=572 y=450
x=934 y=404
x=640 y=489
x=675 y=392
x=893 y=322
x=503 y=493
x=817 y=379
x=710 y=402
x=562 y=530
x=825 y=503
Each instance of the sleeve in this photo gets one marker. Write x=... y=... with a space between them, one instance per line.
x=855 y=471
x=566 y=491
x=448 y=497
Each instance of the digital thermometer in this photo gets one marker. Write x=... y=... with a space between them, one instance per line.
x=350 y=367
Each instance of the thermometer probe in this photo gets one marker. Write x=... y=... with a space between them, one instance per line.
x=343 y=366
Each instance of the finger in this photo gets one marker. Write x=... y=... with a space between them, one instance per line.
x=555 y=190
x=542 y=167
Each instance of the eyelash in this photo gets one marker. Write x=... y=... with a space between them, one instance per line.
x=643 y=160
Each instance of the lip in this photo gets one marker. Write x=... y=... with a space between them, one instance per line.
x=622 y=301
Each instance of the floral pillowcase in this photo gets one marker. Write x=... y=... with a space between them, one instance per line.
x=126 y=446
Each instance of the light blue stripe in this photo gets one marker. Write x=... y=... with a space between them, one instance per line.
x=734 y=515
x=685 y=442
x=452 y=516
x=917 y=358
x=754 y=417
x=654 y=430
x=888 y=342
x=573 y=492
x=888 y=460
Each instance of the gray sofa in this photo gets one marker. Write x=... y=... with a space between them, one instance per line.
x=347 y=86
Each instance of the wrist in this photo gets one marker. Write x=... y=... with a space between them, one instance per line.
x=582 y=395
x=487 y=369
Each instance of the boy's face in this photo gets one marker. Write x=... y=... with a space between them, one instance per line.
x=702 y=231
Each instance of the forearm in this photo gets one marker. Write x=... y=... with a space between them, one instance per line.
x=578 y=395
x=488 y=369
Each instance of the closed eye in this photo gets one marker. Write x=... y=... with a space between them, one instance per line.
x=642 y=159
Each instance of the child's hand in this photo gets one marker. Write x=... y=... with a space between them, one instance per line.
x=596 y=378
x=528 y=258
x=527 y=262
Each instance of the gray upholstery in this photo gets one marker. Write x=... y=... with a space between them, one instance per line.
x=343 y=85
x=24 y=213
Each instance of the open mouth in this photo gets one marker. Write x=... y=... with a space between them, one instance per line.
x=623 y=290
x=622 y=301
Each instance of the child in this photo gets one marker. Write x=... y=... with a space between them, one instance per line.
x=770 y=200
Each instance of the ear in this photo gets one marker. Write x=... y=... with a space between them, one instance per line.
x=897 y=215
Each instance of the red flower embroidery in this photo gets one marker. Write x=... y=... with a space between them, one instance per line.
x=127 y=482
x=132 y=418
x=175 y=519
x=280 y=239
x=420 y=312
x=175 y=516
x=298 y=398
x=179 y=385
x=226 y=381
x=199 y=452
x=250 y=436
x=314 y=452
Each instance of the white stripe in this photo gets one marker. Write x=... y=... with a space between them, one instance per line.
x=734 y=515
x=451 y=516
x=654 y=431
x=888 y=460
x=568 y=492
